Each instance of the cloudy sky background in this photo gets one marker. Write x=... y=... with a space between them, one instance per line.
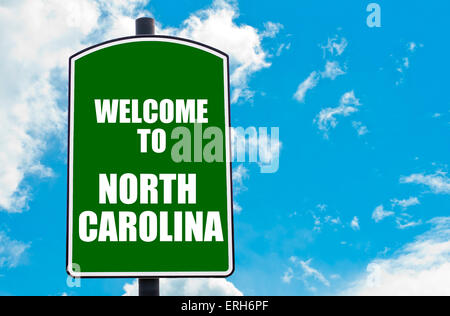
x=360 y=203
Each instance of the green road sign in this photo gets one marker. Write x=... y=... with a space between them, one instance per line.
x=149 y=179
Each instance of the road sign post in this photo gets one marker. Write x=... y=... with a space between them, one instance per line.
x=149 y=166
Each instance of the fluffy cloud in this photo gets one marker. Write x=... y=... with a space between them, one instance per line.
x=403 y=219
x=281 y=48
x=360 y=128
x=37 y=39
x=119 y=20
x=412 y=47
x=404 y=223
x=237 y=207
x=309 y=83
x=355 y=223
x=335 y=46
x=380 y=213
x=327 y=118
x=332 y=70
x=288 y=275
x=438 y=182
x=404 y=63
x=320 y=222
x=239 y=174
x=307 y=273
x=330 y=219
x=216 y=26
x=11 y=251
x=349 y=99
x=272 y=29
x=189 y=287
x=406 y=202
x=322 y=219
x=419 y=268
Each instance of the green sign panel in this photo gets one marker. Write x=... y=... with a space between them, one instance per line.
x=149 y=179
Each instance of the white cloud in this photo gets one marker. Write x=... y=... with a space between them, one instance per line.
x=437 y=182
x=322 y=219
x=216 y=26
x=335 y=46
x=404 y=63
x=131 y=289
x=403 y=220
x=335 y=277
x=349 y=99
x=37 y=39
x=309 y=271
x=380 y=213
x=334 y=221
x=360 y=128
x=282 y=48
x=355 y=223
x=306 y=85
x=189 y=287
x=271 y=29
x=237 y=207
x=317 y=223
x=327 y=117
x=406 y=202
x=121 y=15
x=239 y=174
x=332 y=70
x=403 y=223
x=11 y=251
x=288 y=275
x=419 y=268
x=412 y=47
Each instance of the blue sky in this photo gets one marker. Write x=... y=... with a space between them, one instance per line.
x=371 y=133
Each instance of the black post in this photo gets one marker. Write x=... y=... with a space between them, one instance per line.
x=145 y=26
x=147 y=287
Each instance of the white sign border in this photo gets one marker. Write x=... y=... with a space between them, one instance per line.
x=157 y=38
